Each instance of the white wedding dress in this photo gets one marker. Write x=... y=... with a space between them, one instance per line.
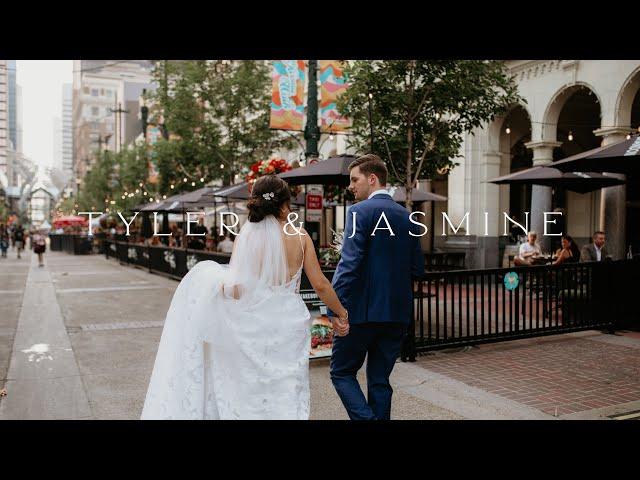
x=236 y=339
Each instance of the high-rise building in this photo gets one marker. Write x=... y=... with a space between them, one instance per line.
x=67 y=129
x=4 y=124
x=19 y=123
x=57 y=143
x=16 y=171
x=105 y=107
x=12 y=114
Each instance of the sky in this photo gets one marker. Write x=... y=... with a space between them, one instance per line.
x=41 y=82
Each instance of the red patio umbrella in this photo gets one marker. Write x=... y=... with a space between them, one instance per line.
x=70 y=220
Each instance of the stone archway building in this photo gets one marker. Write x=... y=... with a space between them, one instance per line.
x=564 y=99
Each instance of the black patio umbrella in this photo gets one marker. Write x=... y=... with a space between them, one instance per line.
x=399 y=194
x=621 y=157
x=579 y=182
x=332 y=171
x=238 y=191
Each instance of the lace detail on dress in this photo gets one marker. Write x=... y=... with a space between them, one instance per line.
x=220 y=358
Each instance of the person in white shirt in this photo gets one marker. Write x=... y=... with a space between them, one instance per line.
x=528 y=251
x=226 y=245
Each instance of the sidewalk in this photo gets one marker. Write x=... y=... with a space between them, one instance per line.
x=82 y=342
x=13 y=277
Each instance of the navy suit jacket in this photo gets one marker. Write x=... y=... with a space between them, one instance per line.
x=373 y=279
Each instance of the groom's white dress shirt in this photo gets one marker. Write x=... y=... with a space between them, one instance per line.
x=382 y=190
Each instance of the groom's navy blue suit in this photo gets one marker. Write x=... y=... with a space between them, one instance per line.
x=373 y=282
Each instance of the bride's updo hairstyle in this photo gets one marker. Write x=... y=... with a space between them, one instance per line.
x=268 y=195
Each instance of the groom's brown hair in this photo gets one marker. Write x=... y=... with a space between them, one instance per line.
x=371 y=163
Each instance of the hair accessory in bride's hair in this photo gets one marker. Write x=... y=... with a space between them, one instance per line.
x=268 y=196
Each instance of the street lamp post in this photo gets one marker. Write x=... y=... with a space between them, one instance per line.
x=311 y=131
x=144 y=113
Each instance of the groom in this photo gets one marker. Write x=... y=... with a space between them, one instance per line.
x=373 y=282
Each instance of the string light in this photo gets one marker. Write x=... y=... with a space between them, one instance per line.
x=508 y=130
x=172 y=187
x=140 y=184
x=570 y=137
x=370 y=96
x=202 y=180
x=145 y=194
x=221 y=165
x=122 y=197
x=628 y=136
x=184 y=179
x=193 y=184
x=112 y=202
x=164 y=197
x=137 y=191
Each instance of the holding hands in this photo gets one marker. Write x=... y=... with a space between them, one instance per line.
x=341 y=324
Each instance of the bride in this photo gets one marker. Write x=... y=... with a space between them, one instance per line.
x=236 y=339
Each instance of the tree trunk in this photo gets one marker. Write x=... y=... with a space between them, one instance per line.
x=408 y=185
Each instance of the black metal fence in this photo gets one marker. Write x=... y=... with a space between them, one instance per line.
x=73 y=244
x=460 y=308
x=468 y=307
x=167 y=261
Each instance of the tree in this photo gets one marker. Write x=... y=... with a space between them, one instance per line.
x=420 y=110
x=217 y=113
x=115 y=175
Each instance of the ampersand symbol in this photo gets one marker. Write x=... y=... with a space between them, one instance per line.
x=290 y=223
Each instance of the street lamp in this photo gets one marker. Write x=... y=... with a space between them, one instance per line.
x=311 y=130
x=144 y=113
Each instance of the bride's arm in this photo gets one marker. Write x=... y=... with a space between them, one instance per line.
x=318 y=281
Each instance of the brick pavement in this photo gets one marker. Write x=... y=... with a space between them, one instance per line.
x=558 y=376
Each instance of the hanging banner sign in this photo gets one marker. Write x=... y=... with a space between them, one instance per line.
x=287 y=94
x=332 y=85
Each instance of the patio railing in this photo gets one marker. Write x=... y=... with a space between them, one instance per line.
x=70 y=243
x=469 y=307
x=460 y=308
x=167 y=261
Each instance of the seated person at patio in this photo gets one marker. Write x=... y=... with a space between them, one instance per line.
x=226 y=245
x=197 y=243
x=570 y=253
x=594 y=252
x=176 y=236
x=528 y=251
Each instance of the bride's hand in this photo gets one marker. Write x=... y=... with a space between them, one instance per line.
x=341 y=324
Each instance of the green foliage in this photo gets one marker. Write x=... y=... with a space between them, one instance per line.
x=111 y=176
x=420 y=110
x=217 y=113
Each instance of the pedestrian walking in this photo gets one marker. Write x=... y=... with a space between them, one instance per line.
x=18 y=239
x=4 y=240
x=39 y=244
